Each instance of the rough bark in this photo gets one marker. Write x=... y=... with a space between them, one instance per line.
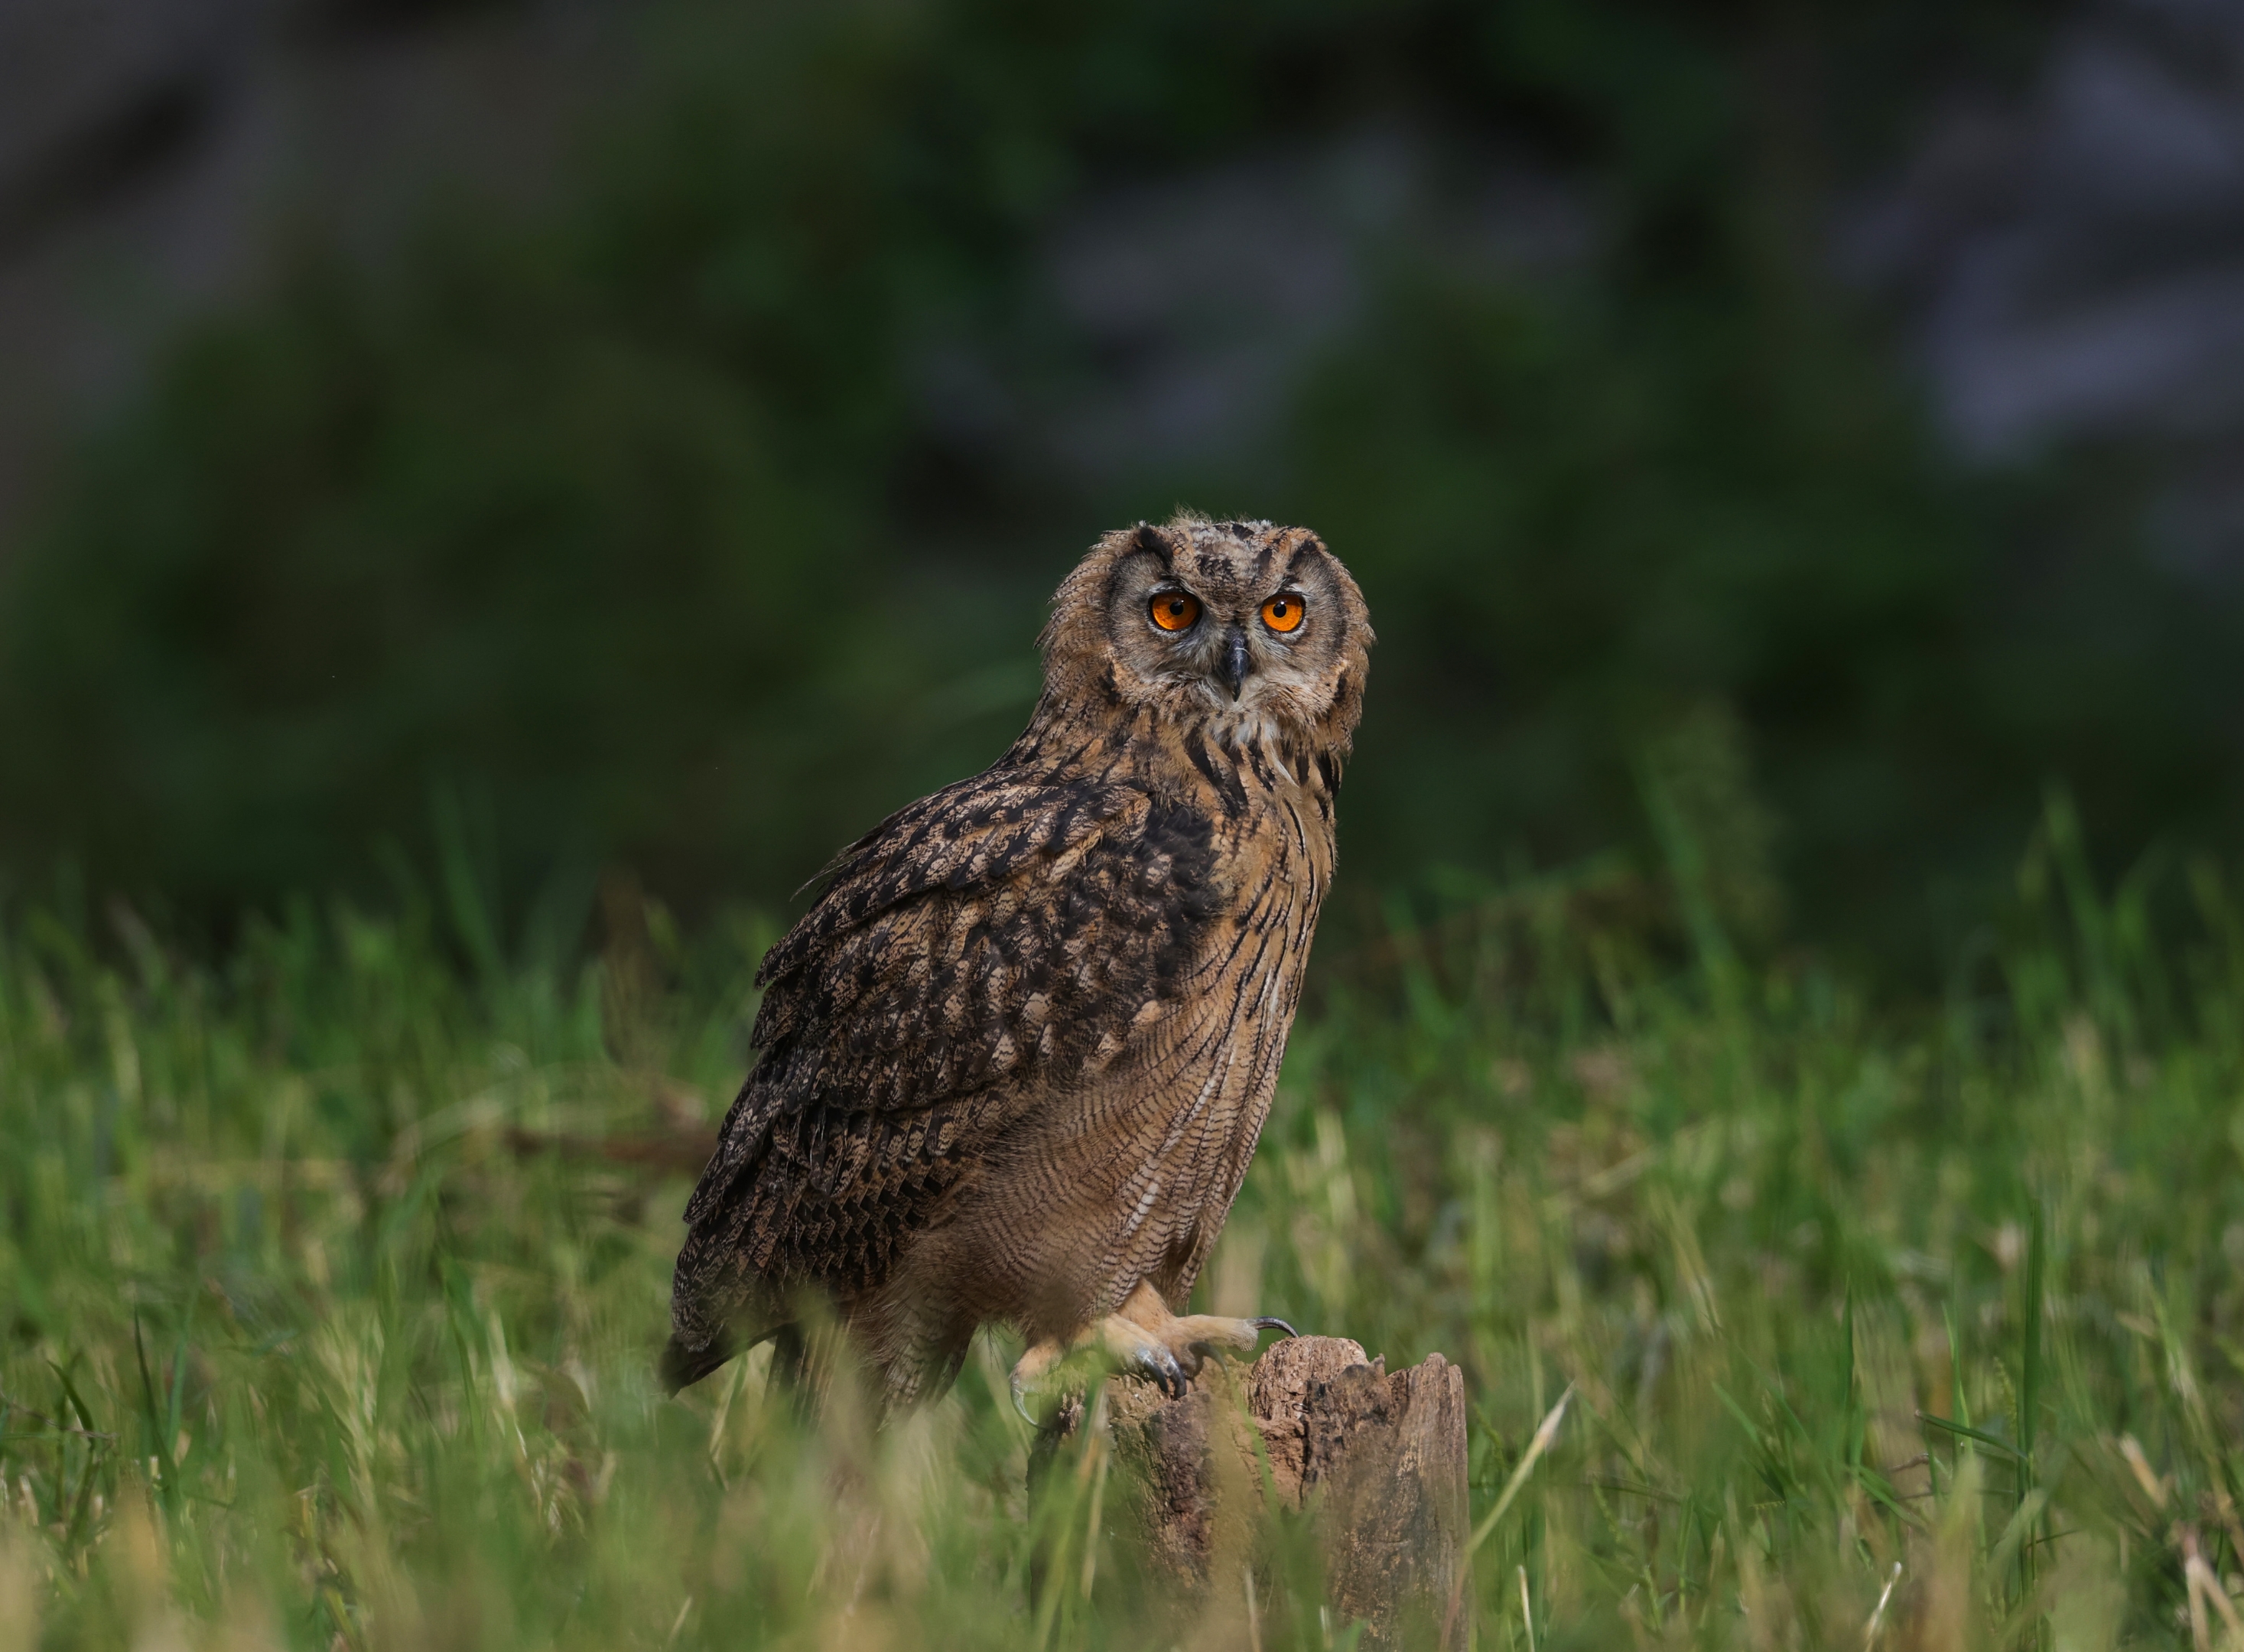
x=1377 y=1459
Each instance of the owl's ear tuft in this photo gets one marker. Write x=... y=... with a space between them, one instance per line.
x=1147 y=538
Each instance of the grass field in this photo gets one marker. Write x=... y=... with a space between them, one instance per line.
x=333 y=1277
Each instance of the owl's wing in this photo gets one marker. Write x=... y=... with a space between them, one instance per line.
x=1004 y=930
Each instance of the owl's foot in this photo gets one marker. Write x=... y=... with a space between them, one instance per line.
x=1143 y=1339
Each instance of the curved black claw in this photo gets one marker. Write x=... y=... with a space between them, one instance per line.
x=1167 y=1374
x=1271 y=1323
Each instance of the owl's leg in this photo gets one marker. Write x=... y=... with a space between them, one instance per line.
x=1143 y=1338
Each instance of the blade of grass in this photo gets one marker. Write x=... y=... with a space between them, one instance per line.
x=1545 y=1432
x=1978 y=1436
x=159 y=1446
x=2030 y=1379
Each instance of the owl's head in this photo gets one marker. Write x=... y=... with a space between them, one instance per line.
x=1238 y=624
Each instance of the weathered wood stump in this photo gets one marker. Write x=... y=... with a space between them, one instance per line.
x=1376 y=1459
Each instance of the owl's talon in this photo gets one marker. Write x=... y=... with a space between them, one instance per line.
x=1145 y=1340
x=1029 y=1373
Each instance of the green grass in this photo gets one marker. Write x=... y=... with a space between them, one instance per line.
x=330 y=1299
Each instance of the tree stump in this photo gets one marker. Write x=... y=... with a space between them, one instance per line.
x=1377 y=1459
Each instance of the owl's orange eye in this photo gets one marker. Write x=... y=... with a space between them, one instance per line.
x=1175 y=610
x=1283 y=612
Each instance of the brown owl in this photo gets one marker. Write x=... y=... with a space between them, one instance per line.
x=1012 y=1063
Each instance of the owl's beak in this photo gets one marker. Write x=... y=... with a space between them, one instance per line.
x=1233 y=668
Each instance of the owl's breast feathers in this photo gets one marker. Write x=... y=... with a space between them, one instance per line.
x=992 y=945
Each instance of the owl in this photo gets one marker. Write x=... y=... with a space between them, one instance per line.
x=1012 y=1062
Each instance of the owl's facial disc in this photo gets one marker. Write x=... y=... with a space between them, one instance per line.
x=1198 y=641
x=1240 y=630
x=1224 y=626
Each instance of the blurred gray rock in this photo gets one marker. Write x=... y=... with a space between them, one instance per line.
x=1172 y=319
x=92 y=91
x=151 y=150
x=2074 y=267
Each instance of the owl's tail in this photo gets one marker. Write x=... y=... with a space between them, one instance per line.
x=682 y=1365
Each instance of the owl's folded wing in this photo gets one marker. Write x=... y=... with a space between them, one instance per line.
x=1004 y=931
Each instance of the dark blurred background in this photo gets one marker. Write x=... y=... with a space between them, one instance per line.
x=581 y=435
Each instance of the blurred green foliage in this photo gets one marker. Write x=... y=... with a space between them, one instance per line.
x=628 y=524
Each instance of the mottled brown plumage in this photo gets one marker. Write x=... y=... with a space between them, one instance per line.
x=1014 y=1058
